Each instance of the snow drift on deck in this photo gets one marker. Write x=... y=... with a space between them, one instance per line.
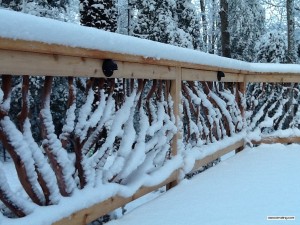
x=21 y=26
x=244 y=190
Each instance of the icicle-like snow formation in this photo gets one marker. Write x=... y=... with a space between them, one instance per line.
x=17 y=202
x=53 y=144
x=16 y=139
x=82 y=125
x=42 y=164
x=116 y=130
x=222 y=104
x=128 y=140
x=107 y=114
x=68 y=127
x=70 y=122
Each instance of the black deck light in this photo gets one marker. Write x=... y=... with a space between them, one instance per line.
x=220 y=74
x=108 y=67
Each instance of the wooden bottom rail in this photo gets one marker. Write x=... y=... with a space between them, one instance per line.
x=88 y=215
x=273 y=140
x=207 y=159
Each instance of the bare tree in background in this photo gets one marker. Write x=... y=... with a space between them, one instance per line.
x=290 y=12
x=225 y=35
x=204 y=24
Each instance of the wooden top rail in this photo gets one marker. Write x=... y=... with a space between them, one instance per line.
x=37 y=58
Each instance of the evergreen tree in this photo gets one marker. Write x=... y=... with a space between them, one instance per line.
x=271 y=48
x=189 y=21
x=101 y=14
x=46 y=8
x=165 y=27
x=157 y=21
x=246 y=24
x=54 y=9
x=145 y=18
x=12 y=4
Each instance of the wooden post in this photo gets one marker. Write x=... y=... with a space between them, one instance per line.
x=176 y=96
x=241 y=88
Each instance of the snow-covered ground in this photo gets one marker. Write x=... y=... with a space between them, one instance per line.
x=245 y=189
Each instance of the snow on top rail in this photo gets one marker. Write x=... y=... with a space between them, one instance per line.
x=24 y=32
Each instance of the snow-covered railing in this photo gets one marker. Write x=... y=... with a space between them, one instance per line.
x=89 y=144
x=273 y=112
x=118 y=136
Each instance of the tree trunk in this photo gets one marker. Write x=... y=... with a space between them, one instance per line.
x=225 y=35
x=291 y=56
x=204 y=24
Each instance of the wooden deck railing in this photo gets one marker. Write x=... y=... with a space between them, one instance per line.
x=186 y=106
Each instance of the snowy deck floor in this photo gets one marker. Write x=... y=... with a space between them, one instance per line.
x=245 y=189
